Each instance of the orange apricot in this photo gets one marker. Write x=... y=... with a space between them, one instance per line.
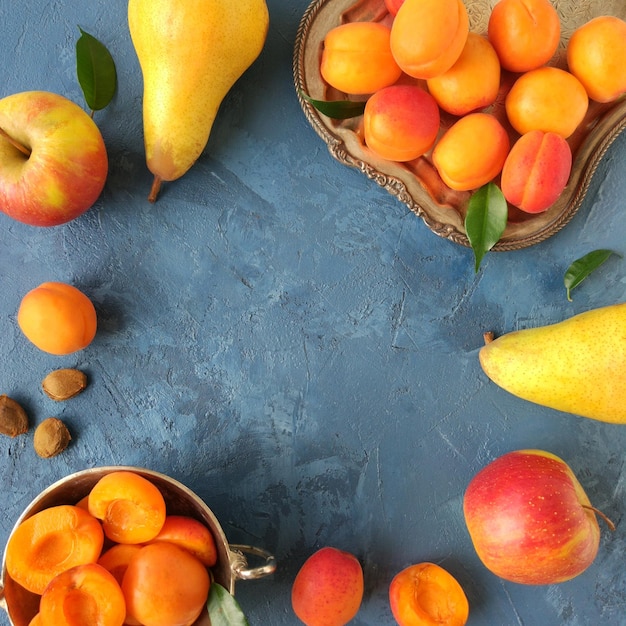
x=191 y=535
x=472 y=82
x=595 y=55
x=36 y=621
x=426 y=594
x=548 y=99
x=428 y=36
x=393 y=6
x=328 y=588
x=165 y=585
x=50 y=542
x=471 y=152
x=536 y=171
x=524 y=33
x=357 y=59
x=401 y=122
x=116 y=559
x=132 y=509
x=81 y=595
x=57 y=318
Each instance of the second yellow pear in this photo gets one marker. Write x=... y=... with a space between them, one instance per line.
x=191 y=53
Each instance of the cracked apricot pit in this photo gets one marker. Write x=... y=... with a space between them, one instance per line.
x=57 y=318
x=426 y=594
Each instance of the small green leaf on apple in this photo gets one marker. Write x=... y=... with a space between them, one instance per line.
x=223 y=609
x=96 y=71
x=486 y=219
x=336 y=109
x=581 y=268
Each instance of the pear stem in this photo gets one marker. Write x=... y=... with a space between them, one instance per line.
x=488 y=337
x=156 y=187
x=600 y=514
x=14 y=142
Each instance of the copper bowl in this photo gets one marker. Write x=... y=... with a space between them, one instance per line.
x=21 y=605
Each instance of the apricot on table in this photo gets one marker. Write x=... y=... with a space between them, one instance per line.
x=81 y=595
x=132 y=509
x=401 y=122
x=426 y=594
x=165 y=585
x=548 y=99
x=191 y=535
x=595 y=55
x=57 y=318
x=328 y=588
x=428 y=36
x=471 y=152
x=50 y=542
x=536 y=171
x=357 y=59
x=524 y=33
x=472 y=82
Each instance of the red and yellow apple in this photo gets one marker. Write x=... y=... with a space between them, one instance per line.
x=530 y=520
x=53 y=161
x=328 y=588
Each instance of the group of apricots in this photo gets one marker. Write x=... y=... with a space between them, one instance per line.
x=114 y=558
x=424 y=59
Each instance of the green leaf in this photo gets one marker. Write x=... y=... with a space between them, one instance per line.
x=223 y=609
x=337 y=109
x=96 y=71
x=581 y=268
x=485 y=221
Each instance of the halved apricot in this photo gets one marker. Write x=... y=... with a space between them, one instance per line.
x=191 y=535
x=82 y=595
x=132 y=509
x=50 y=542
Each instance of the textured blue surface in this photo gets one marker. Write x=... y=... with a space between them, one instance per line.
x=293 y=344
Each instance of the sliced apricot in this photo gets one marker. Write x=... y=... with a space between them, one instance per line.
x=191 y=535
x=165 y=585
x=82 y=595
x=132 y=509
x=50 y=542
x=426 y=594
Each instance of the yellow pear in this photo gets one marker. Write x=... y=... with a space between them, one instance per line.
x=191 y=52
x=577 y=365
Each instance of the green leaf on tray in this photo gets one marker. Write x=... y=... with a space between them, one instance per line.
x=486 y=219
x=96 y=71
x=223 y=609
x=337 y=109
x=581 y=268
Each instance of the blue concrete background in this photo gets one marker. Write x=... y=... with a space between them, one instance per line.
x=293 y=344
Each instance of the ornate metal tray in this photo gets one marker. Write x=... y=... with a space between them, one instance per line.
x=417 y=183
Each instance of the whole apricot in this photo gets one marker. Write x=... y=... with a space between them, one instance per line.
x=595 y=55
x=401 y=122
x=471 y=152
x=164 y=585
x=57 y=318
x=536 y=171
x=426 y=594
x=548 y=99
x=472 y=82
x=357 y=59
x=427 y=36
x=524 y=33
x=328 y=589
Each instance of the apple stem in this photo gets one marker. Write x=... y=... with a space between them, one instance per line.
x=156 y=187
x=608 y=522
x=22 y=148
x=488 y=337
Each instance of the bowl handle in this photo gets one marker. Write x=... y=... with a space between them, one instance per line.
x=239 y=563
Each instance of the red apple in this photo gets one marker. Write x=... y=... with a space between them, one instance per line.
x=53 y=161
x=393 y=6
x=530 y=520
